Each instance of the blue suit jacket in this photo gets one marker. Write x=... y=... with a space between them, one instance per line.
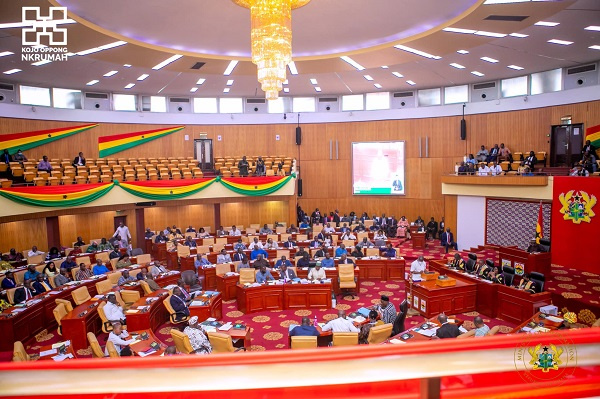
x=446 y=238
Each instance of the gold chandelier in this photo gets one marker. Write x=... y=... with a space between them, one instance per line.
x=271 y=35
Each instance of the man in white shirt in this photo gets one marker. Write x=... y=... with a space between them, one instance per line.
x=317 y=273
x=157 y=268
x=112 y=310
x=418 y=266
x=348 y=235
x=271 y=244
x=496 y=170
x=328 y=229
x=118 y=337
x=123 y=232
x=234 y=232
x=223 y=257
x=255 y=244
x=341 y=324
x=34 y=252
x=483 y=170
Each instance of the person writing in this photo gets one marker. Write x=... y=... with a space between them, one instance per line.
x=264 y=275
x=317 y=273
x=118 y=337
x=341 y=324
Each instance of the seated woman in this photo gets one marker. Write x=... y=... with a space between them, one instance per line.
x=53 y=254
x=104 y=245
x=380 y=235
x=202 y=233
x=50 y=269
x=402 y=231
x=123 y=261
x=527 y=285
x=14 y=256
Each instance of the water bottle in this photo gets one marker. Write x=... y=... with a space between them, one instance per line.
x=333 y=301
x=316 y=324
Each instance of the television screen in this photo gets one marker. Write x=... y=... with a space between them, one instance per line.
x=378 y=168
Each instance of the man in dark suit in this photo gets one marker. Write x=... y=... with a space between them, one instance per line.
x=41 y=284
x=6 y=158
x=432 y=228
x=178 y=304
x=446 y=330
x=79 y=160
x=447 y=240
x=24 y=293
x=530 y=161
x=289 y=243
x=287 y=273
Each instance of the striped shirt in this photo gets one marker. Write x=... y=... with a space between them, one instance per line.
x=388 y=314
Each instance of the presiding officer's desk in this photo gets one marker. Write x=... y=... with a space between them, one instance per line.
x=498 y=300
x=532 y=262
x=283 y=297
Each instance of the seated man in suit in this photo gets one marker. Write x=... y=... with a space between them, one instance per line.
x=287 y=273
x=327 y=261
x=79 y=160
x=432 y=228
x=458 y=262
x=41 y=284
x=24 y=293
x=447 y=330
x=239 y=255
x=157 y=269
x=304 y=261
x=316 y=243
x=306 y=329
x=263 y=275
x=365 y=243
x=260 y=262
x=189 y=242
x=161 y=238
x=9 y=281
x=321 y=252
x=530 y=161
x=389 y=252
x=223 y=257
x=282 y=262
x=178 y=304
x=289 y=243
x=344 y=260
x=447 y=240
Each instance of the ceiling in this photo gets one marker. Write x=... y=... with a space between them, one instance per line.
x=214 y=32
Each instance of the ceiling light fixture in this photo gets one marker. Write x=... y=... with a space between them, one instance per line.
x=193 y=89
x=593 y=27
x=489 y=59
x=271 y=38
x=561 y=42
x=317 y=89
x=397 y=74
x=353 y=63
x=459 y=30
x=515 y=67
x=457 y=66
x=142 y=77
x=313 y=81
x=127 y=65
x=5 y=53
x=477 y=73
x=377 y=85
x=286 y=89
x=285 y=82
x=230 y=82
x=384 y=67
x=292 y=68
x=167 y=62
x=11 y=71
x=595 y=47
x=40 y=63
x=489 y=34
x=109 y=74
x=27 y=24
x=410 y=82
x=230 y=67
x=462 y=52
x=92 y=82
x=368 y=77
x=417 y=52
x=519 y=35
x=226 y=90
x=130 y=85
x=504 y=1
x=101 y=48
x=200 y=81
x=546 y=23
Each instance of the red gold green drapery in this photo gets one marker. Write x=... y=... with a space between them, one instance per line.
x=27 y=140
x=593 y=135
x=108 y=145
x=158 y=190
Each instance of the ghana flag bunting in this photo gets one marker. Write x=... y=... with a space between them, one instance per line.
x=27 y=140
x=593 y=135
x=108 y=145
x=165 y=189
x=539 y=228
x=256 y=186
x=57 y=196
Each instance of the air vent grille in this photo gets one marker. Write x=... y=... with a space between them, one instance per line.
x=255 y=101
x=509 y=18
x=404 y=94
x=581 y=69
x=481 y=86
x=99 y=96
x=7 y=86
x=179 y=100
x=198 y=65
x=328 y=99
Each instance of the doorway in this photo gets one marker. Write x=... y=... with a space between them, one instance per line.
x=566 y=142
x=203 y=153
x=119 y=219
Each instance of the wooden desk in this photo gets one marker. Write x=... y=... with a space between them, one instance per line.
x=430 y=299
x=382 y=269
x=209 y=283
x=537 y=320
x=144 y=345
x=517 y=306
x=159 y=251
x=212 y=308
x=417 y=337
x=258 y=299
x=486 y=299
x=307 y=296
x=331 y=273
x=152 y=318
x=68 y=350
x=418 y=240
x=76 y=324
x=534 y=262
x=283 y=297
x=226 y=285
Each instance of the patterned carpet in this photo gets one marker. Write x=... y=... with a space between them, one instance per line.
x=576 y=290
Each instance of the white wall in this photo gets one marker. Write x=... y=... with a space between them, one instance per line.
x=471 y=222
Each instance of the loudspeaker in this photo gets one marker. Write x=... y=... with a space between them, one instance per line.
x=463 y=129
x=150 y=203
x=299 y=187
x=298 y=135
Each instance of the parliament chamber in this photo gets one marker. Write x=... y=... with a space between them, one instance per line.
x=400 y=203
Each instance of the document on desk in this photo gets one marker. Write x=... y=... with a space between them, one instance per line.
x=60 y=358
x=144 y=354
x=396 y=341
x=197 y=303
x=554 y=319
x=462 y=329
x=134 y=342
x=226 y=327
x=428 y=333
x=48 y=352
x=132 y=311
x=66 y=343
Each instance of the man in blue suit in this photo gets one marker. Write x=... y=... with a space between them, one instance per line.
x=447 y=240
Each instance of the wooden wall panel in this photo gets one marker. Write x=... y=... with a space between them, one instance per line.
x=451 y=212
x=23 y=235
x=88 y=226
x=246 y=213
x=157 y=218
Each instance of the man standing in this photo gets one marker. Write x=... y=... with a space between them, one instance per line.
x=447 y=240
x=386 y=309
x=341 y=324
x=243 y=167
x=418 y=266
x=446 y=330
x=306 y=329
x=198 y=338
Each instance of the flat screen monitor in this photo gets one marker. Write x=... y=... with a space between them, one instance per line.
x=378 y=168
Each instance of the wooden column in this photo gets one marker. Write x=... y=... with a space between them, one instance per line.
x=140 y=228
x=53 y=233
x=217 y=216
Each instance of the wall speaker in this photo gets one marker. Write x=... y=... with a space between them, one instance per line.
x=299 y=187
x=150 y=203
x=298 y=135
x=463 y=129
